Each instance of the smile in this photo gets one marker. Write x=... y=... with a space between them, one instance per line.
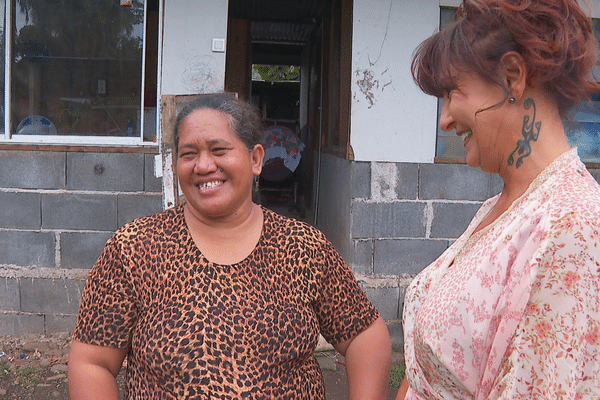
x=209 y=185
x=465 y=135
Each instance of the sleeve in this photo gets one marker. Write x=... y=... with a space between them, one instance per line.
x=108 y=310
x=342 y=308
x=555 y=351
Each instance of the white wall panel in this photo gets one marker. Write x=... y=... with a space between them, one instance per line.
x=391 y=119
x=189 y=65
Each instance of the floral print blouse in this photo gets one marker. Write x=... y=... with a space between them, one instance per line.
x=513 y=311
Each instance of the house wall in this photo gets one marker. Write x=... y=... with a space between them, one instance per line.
x=391 y=119
x=58 y=209
x=189 y=66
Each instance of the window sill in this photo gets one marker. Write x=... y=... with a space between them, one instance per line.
x=149 y=148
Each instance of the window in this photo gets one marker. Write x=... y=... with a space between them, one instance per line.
x=75 y=71
x=583 y=126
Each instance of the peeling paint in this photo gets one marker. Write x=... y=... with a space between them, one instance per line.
x=367 y=84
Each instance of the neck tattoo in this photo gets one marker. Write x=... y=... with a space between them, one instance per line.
x=530 y=131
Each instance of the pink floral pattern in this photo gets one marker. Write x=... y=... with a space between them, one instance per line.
x=513 y=311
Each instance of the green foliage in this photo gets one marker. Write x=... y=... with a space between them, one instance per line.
x=397 y=375
x=4 y=366
x=29 y=376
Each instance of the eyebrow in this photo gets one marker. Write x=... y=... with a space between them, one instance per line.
x=210 y=143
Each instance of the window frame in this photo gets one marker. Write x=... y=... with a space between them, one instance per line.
x=8 y=137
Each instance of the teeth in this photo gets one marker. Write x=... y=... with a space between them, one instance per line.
x=209 y=185
x=466 y=134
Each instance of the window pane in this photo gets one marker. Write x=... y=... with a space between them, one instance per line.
x=2 y=41
x=77 y=67
x=448 y=144
x=583 y=129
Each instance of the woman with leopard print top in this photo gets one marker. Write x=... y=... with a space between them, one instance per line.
x=221 y=298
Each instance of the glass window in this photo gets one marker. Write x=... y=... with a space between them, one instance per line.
x=583 y=126
x=448 y=144
x=76 y=70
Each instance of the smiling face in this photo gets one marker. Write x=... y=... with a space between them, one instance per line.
x=485 y=132
x=215 y=168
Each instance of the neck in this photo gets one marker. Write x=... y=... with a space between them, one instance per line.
x=538 y=139
x=243 y=217
x=226 y=240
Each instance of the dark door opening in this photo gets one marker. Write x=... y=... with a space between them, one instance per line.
x=271 y=62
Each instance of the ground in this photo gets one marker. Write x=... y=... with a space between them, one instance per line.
x=34 y=367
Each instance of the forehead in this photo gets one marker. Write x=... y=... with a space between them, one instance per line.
x=206 y=121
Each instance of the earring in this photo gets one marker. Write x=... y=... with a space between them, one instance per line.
x=256 y=184
x=511 y=100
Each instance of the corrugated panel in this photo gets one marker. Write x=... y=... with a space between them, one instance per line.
x=299 y=11
x=280 y=31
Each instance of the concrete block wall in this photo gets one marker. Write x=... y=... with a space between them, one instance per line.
x=401 y=217
x=404 y=218
x=58 y=209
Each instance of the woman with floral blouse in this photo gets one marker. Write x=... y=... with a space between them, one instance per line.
x=512 y=309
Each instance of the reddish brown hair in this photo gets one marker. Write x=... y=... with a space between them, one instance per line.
x=555 y=38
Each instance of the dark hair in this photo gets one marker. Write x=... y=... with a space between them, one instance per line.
x=243 y=117
x=554 y=37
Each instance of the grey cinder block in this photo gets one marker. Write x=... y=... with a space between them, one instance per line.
x=406 y=256
x=27 y=248
x=456 y=182
x=20 y=210
x=105 y=171
x=18 y=324
x=385 y=299
x=451 y=219
x=363 y=257
x=60 y=323
x=394 y=219
x=360 y=180
x=81 y=249
x=9 y=294
x=32 y=169
x=133 y=206
x=60 y=296
x=151 y=182
x=408 y=181
x=79 y=211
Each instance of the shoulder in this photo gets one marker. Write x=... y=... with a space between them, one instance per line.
x=286 y=230
x=281 y=223
x=576 y=196
x=160 y=225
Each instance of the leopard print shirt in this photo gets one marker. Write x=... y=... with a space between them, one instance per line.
x=199 y=330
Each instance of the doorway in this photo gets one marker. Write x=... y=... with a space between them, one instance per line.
x=273 y=53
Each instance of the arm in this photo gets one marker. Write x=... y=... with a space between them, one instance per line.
x=403 y=389
x=368 y=360
x=93 y=371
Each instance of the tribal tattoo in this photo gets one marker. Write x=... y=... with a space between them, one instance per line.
x=531 y=132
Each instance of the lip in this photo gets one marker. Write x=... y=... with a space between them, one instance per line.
x=465 y=134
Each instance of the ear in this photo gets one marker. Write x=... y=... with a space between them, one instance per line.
x=256 y=156
x=515 y=72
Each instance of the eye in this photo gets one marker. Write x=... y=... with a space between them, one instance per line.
x=447 y=91
x=187 y=155
x=219 y=150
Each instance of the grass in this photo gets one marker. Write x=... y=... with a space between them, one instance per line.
x=29 y=376
x=4 y=367
x=396 y=376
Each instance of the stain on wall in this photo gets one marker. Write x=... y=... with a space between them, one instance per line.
x=200 y=73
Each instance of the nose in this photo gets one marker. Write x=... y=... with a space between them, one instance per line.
x=447 y=123
x=204 y=164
